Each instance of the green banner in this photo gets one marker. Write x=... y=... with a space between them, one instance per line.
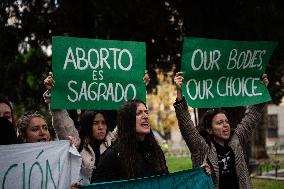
x=96 y=74
x=189 y=179
x=223 y=73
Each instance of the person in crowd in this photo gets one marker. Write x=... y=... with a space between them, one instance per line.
x=8 y=133
x=33 y=128
x=214 y=141
x=8 y=129
x=92 y=139
x=94 y=135
x=136 y=152
x=6 y=110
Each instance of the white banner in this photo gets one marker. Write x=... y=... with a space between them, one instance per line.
x=42 y=165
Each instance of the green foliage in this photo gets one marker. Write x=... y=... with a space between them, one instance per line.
x=26 y=26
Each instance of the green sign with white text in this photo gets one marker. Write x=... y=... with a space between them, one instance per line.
x=223 y=73
x=96 y=74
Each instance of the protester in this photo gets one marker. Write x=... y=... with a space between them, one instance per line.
x=8 y=133
x=94 y=132
x=6 y=110
x=213 y=140
x=93 y=138
x=33 y=128
x=136 y=153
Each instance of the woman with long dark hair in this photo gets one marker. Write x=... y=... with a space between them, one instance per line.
x=136 y=152
x=94 y=135
x=95 y=138
x=213 y=141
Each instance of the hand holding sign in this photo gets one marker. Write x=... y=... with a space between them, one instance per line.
x=49 y=82
x=178 y=82
x=146 y=78
x=223 y=73
x=96 y=74
x=265 y=80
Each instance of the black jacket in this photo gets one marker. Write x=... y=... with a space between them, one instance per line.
x=110 y=168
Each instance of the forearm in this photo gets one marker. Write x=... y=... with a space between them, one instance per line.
x=189 y=132
x=63 y=124
x=251 y=119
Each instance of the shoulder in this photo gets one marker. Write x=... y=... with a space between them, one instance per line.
x=111 y=152
x=110 y=138
x=109 y=165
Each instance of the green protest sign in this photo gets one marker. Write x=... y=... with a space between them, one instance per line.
x=96 y=74
x=190 y=179
x=223 y=73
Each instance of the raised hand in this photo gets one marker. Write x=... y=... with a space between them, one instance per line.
x=49 y=82
x=178 y=79
x=265 y=80
x=146 y=78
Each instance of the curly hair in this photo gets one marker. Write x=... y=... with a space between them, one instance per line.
x=24 y=122
x=86 y=126
x=127 y=141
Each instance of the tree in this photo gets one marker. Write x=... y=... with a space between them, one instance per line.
x=27 y=26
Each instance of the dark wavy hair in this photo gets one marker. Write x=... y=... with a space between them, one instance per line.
x=86 y=126
x=127 y=141
x=8 y=103
x=206 y=123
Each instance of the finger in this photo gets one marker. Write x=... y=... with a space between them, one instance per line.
x=49 y=81
x=178 y=79
x=179 y=74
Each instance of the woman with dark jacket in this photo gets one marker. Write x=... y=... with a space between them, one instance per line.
x=136 y=153
x=214 y=142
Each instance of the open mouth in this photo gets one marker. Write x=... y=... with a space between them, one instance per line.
x=145 y=125
x=42 y=140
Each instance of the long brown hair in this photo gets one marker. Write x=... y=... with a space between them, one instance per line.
x=127 y=141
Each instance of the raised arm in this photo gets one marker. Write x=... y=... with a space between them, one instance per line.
x=61 y=121
x=251 y=119
x=193 y=139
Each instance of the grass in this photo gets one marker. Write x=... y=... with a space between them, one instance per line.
x=267 y=184
x=178 y=164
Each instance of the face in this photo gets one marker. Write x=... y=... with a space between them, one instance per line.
x=99 y=127
x=5 y=111
x=37 y=131
x=220 y=128
x=142 y=121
